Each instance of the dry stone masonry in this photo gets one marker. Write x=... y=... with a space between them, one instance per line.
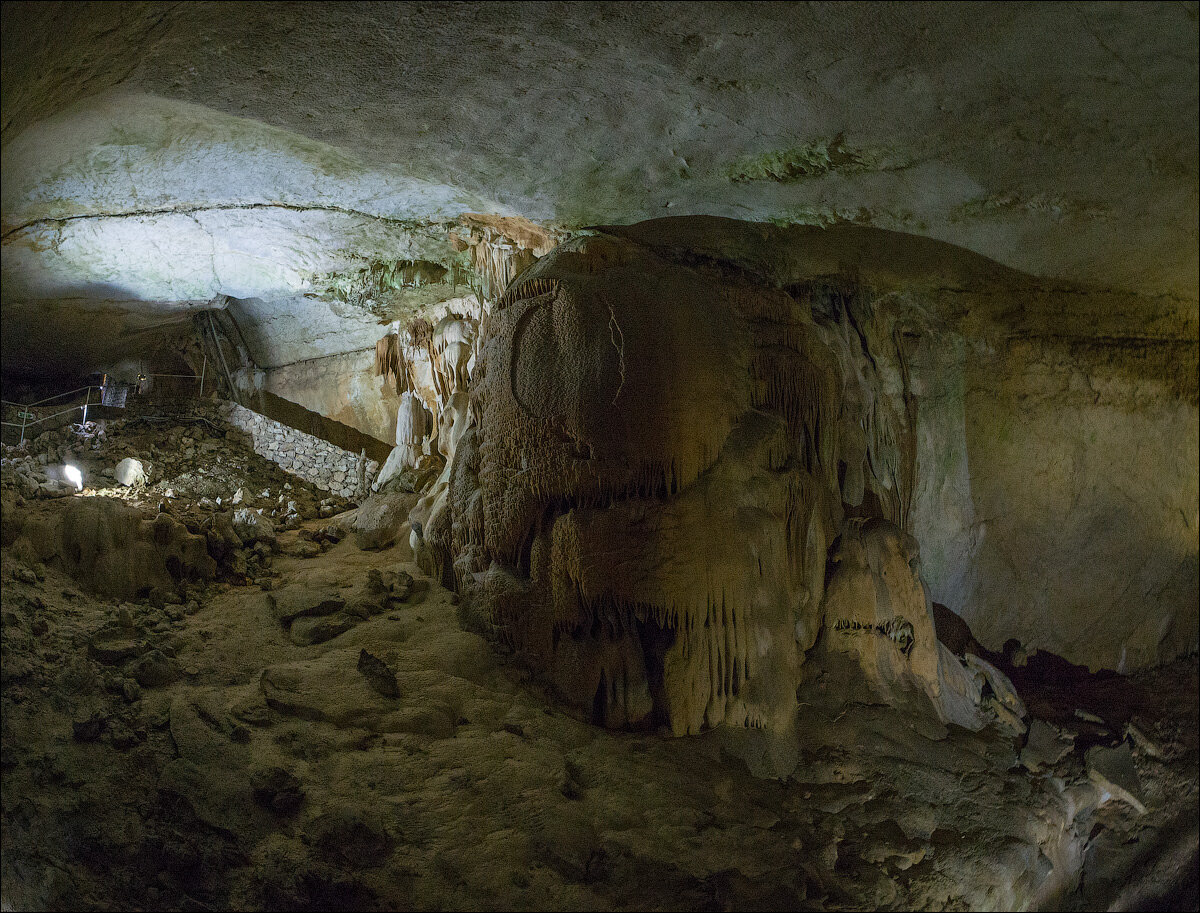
x=312 y=459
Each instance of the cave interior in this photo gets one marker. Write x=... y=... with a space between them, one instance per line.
x=591 y=455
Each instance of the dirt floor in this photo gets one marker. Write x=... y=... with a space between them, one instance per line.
x=323 y=734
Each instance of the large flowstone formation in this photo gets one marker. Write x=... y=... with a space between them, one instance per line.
x=663 y=453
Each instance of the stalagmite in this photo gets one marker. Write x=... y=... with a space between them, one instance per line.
x=412 y=422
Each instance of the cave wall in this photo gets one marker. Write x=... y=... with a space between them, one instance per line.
x=1057 y=495
x=343 y=387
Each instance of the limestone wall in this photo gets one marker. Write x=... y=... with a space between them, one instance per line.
x=342 y=387
x=312 y=459
x=1057 y=494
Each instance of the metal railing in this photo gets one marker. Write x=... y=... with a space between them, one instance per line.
x=171 y=387
x=30 y=419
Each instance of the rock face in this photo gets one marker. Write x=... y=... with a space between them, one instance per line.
x=111 y=549
x=1058 y=501
x=244 y=189
x=1054 y=500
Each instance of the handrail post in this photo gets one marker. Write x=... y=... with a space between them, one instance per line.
x=87 y=398
x=24 y=416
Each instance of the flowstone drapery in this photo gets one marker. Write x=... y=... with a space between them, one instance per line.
x=661 y=455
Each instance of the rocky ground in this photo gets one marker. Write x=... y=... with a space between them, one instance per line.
x=188 y=461
x=318 y=732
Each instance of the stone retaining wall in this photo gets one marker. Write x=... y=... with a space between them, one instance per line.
x=312 y=459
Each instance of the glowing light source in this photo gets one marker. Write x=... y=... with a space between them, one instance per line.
x=74 y=476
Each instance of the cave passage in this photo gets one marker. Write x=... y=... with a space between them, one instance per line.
x=529 y=456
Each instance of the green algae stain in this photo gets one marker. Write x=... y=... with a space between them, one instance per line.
x=810 y=160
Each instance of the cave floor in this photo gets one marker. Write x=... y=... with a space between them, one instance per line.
x=270 y=775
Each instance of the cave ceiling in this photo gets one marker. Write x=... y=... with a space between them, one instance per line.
x=159 y=157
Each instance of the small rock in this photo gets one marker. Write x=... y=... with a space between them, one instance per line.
x=305 y=549
x=295 y=602
x=378 y=674
x=111 y=649
x=277 y=788
x=402 y=586
x=356 y=836
x=309 y=631
x=130 y=473
x=252 y=526
x=121 y=736
x=1112 y=770
x=1139 y=739
x=132 y=690
x=570 y=787
x=154 y=670
x=253 y=710
x=1047 y=746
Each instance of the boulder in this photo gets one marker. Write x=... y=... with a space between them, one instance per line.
x=130 y=473
x=306 y=632
x=304 y=549
x=1047 y=745
x=276 y=788
x=379 y=518
x=1112 y=769
x=295 y=602
x=155 y=669
x=378 y=674
x=251 y=526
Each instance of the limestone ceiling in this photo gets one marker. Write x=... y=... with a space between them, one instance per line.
x=156 y=156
